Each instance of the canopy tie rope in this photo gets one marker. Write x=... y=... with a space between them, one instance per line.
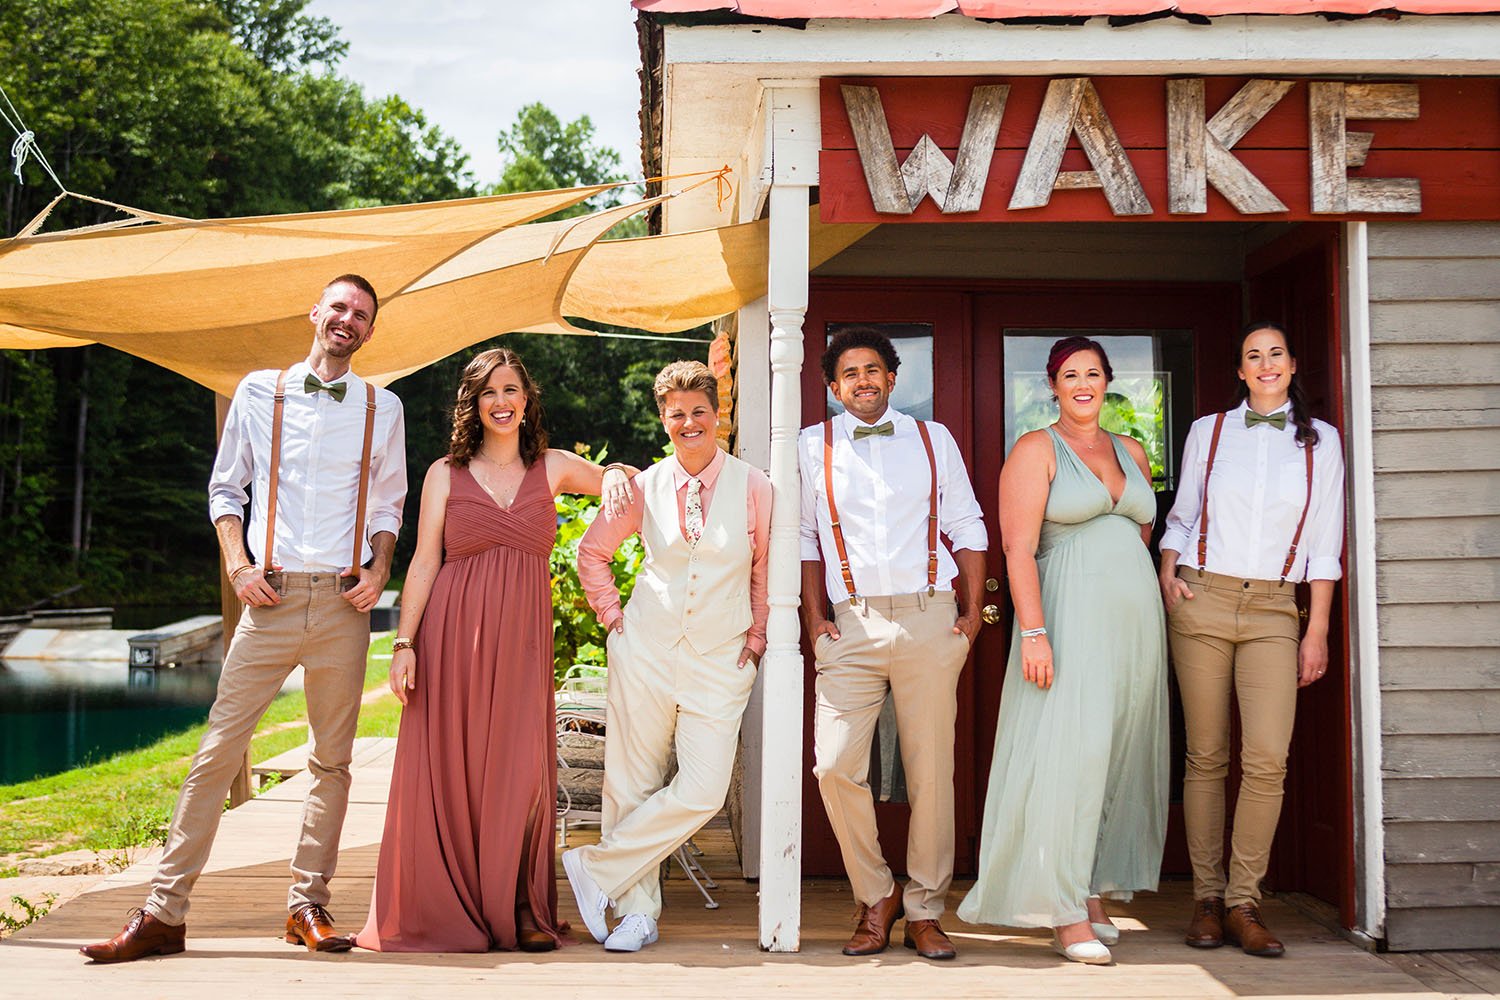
x=25 y=145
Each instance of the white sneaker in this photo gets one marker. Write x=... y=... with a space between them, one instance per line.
x=592 y=902
x=634 y=932
x=1088 y=952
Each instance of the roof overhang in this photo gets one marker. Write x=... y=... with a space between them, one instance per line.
x=713 y=75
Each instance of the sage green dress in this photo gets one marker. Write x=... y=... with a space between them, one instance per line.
x=1077 y=801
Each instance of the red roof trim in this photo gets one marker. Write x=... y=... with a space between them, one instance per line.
x=1002 y=9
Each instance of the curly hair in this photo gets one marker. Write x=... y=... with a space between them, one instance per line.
x=1307 y=434
x=468 y=429
x=852 y=337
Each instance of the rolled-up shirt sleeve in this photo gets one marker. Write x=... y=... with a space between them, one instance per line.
x=807 y=529
x=758 y=499
x=596 y=550
x=1325 y=522
x=959 y=514
x=1182 y=519
x=388 y=477
x=234 y=466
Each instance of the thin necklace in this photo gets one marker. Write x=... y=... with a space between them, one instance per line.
x=501 y=466
x=1089 y=445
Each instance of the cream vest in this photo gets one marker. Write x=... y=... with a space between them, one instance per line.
x=701 y=592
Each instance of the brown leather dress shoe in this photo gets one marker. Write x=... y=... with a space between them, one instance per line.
x=1243 y=926
x=143 y=935
x=530 y=937
x=928 y=939
x=872 y=934
x=1207 y=927
x=311 y=925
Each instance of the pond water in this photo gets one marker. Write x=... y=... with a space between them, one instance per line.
x=56 y=715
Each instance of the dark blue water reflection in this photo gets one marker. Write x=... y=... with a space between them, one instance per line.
x=56 y=715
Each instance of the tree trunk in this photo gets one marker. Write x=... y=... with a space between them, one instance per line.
x=80 y=451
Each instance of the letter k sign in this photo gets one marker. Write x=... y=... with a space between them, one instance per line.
x=898 y=188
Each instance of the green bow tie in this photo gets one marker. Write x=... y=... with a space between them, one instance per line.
x=335 y=389
x=879 y=430
x=1276 y=420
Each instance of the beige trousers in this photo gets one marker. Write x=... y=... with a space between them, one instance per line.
x=312 y=625
x=1239 y=635
x=905 y=645
x=662 y=698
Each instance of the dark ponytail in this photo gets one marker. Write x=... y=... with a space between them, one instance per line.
x=1307 y=434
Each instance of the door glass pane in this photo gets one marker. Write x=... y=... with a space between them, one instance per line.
x=1150 y=398
x=912 y=396
x=913 y=343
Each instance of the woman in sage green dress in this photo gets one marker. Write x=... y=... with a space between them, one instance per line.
x=1077 y=800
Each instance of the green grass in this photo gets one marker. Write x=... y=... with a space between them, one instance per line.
x=127 y=800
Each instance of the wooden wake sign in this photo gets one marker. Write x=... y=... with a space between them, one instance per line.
x=954 y=149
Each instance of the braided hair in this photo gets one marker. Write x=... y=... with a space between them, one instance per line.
x=1307 y=434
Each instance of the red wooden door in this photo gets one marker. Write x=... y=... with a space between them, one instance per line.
x=1195 y=320
x=930 y=326
x=1295 y=281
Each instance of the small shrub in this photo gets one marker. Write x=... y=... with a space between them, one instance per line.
x=30 y=912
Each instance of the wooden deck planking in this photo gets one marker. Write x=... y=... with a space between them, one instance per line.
x=234 y=946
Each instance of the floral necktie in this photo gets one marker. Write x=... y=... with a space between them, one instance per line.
x=693 y=519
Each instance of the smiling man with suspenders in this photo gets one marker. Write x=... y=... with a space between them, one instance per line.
x=878 y=487
x=324 y=454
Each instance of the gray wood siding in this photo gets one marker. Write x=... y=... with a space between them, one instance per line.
x=1435 y=367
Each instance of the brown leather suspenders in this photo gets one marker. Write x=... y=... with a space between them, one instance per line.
x=1213 y=449
x=838 y=531
x=277 y=411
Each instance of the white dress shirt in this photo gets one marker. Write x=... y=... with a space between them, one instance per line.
x=321 y=444
x=1255 y=498
x=883 y=488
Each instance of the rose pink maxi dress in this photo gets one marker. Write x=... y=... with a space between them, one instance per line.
x=475 y=775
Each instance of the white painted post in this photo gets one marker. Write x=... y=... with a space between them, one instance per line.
x=752 y=365
x=793 y=111
x=1359 y=446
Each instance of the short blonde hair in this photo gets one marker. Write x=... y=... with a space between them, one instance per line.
x=685 y=376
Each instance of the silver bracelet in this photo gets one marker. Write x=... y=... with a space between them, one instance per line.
x=1032 y=633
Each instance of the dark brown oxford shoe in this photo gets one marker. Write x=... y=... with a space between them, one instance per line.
x=1207 y=927
x=143 y=935
x=872 y=933
x=310 y=925
x=530 y=937
x=928 y=939
x=1243 y=926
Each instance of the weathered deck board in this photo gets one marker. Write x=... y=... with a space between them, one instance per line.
x=234 y=946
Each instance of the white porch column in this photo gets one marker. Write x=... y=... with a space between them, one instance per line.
x=793 y=111
x=1364 y=627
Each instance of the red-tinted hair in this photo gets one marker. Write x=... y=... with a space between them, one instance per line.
x=1069 y=346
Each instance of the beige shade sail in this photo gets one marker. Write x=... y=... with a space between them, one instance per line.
x=215 y=299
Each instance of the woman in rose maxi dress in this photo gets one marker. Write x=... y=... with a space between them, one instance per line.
x=466 y=860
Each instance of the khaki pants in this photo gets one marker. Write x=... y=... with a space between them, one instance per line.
x=312 y=625
x=661 y=697
x=1240 y=635
x=906 y=645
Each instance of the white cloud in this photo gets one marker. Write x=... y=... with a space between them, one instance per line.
x=470 y=65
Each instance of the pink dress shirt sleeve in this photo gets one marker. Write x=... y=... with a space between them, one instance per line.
x=758 y=500
x=596 y=550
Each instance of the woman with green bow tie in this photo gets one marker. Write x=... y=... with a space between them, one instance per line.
x=1260 y=510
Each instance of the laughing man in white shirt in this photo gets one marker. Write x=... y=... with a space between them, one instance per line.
x=327 y=497
x=871 y=518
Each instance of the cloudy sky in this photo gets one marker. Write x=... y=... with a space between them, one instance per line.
x=472 y=64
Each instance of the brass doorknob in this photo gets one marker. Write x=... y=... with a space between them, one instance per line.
x=991 y=614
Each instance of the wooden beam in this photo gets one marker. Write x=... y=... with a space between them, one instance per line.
x=877 y=154
x=976 y=150
x=230 y=608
